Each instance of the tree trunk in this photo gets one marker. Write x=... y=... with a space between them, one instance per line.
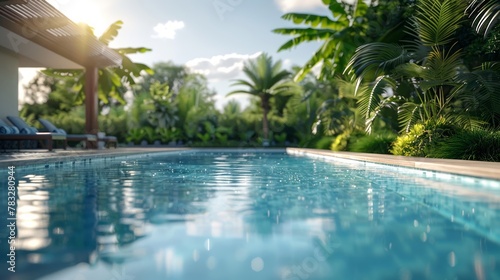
x=265 y=123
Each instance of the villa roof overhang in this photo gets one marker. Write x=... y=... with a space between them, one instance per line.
x=38 y=22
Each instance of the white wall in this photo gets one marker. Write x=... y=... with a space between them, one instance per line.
x=9 y=76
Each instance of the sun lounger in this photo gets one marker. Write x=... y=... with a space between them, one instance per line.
x=88 y=139
x=14 y=134
x=46 y=137
x=109 y=141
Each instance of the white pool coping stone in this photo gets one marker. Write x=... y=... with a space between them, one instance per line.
x=480 y=169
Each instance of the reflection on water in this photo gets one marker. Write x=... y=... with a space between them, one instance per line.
x=252 y=216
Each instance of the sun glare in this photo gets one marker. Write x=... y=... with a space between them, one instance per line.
x=84 y=11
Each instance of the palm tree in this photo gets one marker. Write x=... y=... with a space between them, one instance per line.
x=113 y=81
x=266 y=80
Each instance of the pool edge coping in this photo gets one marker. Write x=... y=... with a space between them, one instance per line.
x=487 y=170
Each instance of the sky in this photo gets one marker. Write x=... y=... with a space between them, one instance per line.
x=212 y=37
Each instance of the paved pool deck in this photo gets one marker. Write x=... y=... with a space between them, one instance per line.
x=480 y=169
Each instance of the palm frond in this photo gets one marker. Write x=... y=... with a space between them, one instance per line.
x=376 y=57
x=441 y=65
x=480 y=93
x=323 y=53
x=360 y=8
x=337 y=8
x=371 y=99
x=131 y=69
x=303 y=35
x=285 y=88
x=465 y=120
x=132 y=50
x=391 y=103
x=492 y=65
x=111 y=33
x=438 y=20
x=408 y=115
x=347 y=89
x=242 y=91
x=312 y=20
x=484 y=14
x=244 y=83
x=110 y=85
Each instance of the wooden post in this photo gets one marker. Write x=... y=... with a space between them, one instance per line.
x=91 y=101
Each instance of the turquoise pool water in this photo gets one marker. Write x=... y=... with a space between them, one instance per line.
x=251 y=215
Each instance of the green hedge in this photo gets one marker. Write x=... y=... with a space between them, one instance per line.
x=378 y=144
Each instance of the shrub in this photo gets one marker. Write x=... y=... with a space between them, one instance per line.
x=136 y=135
x=323 y=143
x=341 y=141
x=422 y=137
x=470 y=145
x=115 y=123
x=378 y=144
x=409 y=144
x=344 y=140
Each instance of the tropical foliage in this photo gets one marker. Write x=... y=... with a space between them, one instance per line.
x=350 y=25
x=413 y=78
x=339 y=33
x=426 y=78
x=476 y=144
x=423 y=138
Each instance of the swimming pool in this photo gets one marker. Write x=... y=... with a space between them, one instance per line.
x=252 y=215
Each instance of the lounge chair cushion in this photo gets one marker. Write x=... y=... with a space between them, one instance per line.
x=2 y=123
x=51 y=127
x=20 y=123
x=48 y=125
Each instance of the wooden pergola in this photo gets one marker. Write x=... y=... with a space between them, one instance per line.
x=42 y=24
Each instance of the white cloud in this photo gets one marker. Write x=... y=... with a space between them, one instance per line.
x=220 y=70
x=220 y=67
x=168 y=29
x=299 y=5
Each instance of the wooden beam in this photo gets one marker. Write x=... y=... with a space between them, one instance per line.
x=91 y=100
x=39 y=22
